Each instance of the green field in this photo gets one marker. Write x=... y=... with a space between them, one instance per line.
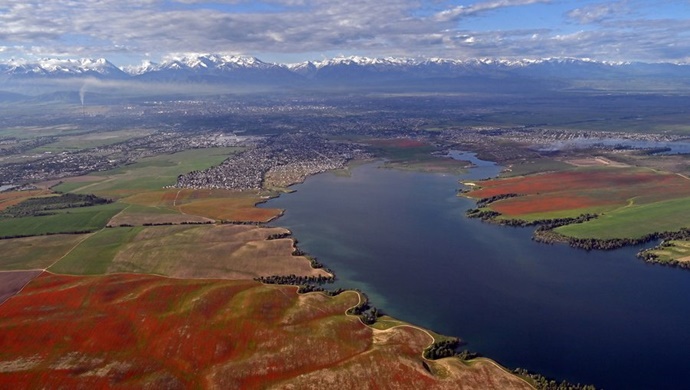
x=63 y=221
x=150 y=173
x=570 y=213
x=634 y=221
x=96 y=253
x=677 y=250
x=28 y=132
x=187 y=251
x=91 y=140
x=36 y=252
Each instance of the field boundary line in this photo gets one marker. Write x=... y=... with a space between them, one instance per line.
x=116 y=215
x=23 y=287
x=88 y=235
x=109 y=179
x=4 y=271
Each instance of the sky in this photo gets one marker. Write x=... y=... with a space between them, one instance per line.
x=287 y=31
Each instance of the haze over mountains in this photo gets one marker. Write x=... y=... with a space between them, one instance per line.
x=353 y=72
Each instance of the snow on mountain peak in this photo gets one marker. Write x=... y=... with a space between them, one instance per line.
x=197 y=61
x=60 y=66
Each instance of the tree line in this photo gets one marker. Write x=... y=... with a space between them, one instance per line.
x=483 y=202
x=294 y=280
x=545 y=233
x=11 y=236
x=35 y=207
x=543 y=383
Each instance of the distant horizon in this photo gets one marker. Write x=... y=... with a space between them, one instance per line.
x=419 y=58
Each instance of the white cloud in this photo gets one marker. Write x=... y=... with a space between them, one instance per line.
x=598 y=12
x=469 y=10
x=152 y=28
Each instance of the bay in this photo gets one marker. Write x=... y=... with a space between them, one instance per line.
x=604 y=318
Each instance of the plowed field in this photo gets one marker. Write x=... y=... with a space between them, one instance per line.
x=582 y=190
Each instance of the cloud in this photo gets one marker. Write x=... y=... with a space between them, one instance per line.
x=598 y=12
x=152 y=28
x=470 y=10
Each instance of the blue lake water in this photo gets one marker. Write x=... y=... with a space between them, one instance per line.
x=604 y=318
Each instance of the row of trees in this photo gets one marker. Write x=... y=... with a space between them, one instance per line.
x=230 y=222
x=34 y=207
x=367 y=313
x=483 y=202
x=294 y=280
x=543 y=383
x=549 y=236
x=8 y=237
x=278 y=236
x=448 y=348
x=649 y=256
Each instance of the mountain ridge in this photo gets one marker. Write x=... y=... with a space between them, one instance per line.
x=479 y=74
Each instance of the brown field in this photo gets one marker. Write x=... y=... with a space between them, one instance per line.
x=139 y=219
x=37 y=252
x=12 y=198
x=213 y=204
x=582 y=189
x=138 y=331
x=13 y=281
x=188 y=251
x=231 y=210
x=223 y=252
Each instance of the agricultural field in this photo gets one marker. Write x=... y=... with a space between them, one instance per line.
x=414 y=155
x=673 y=250
x=634 y=221
x=216 y=204
x=37 y=252
x=187 y=251
x=152 y=173
x=13 y=281
x=147 y=331
x=91 y=140
x=11 y=198
x=627 y=198
x=82 y=219
x=534 y=166
x=136 y=215
x=28 y=132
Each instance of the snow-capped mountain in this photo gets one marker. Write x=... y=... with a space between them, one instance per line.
x=51 y=67
x=211 y=68
x=351 y=71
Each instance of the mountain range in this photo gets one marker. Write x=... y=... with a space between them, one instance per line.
x=352 y=71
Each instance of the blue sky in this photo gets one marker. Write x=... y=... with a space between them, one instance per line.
x=127 y=32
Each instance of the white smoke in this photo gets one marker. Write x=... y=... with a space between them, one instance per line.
x=82 y=93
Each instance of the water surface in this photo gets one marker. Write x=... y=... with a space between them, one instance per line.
x=604 y=318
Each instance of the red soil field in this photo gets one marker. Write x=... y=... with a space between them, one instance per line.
x=585 y=188
x=549 y=203
x=136 y=331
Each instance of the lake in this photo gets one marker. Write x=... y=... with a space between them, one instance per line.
x=604 y=318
